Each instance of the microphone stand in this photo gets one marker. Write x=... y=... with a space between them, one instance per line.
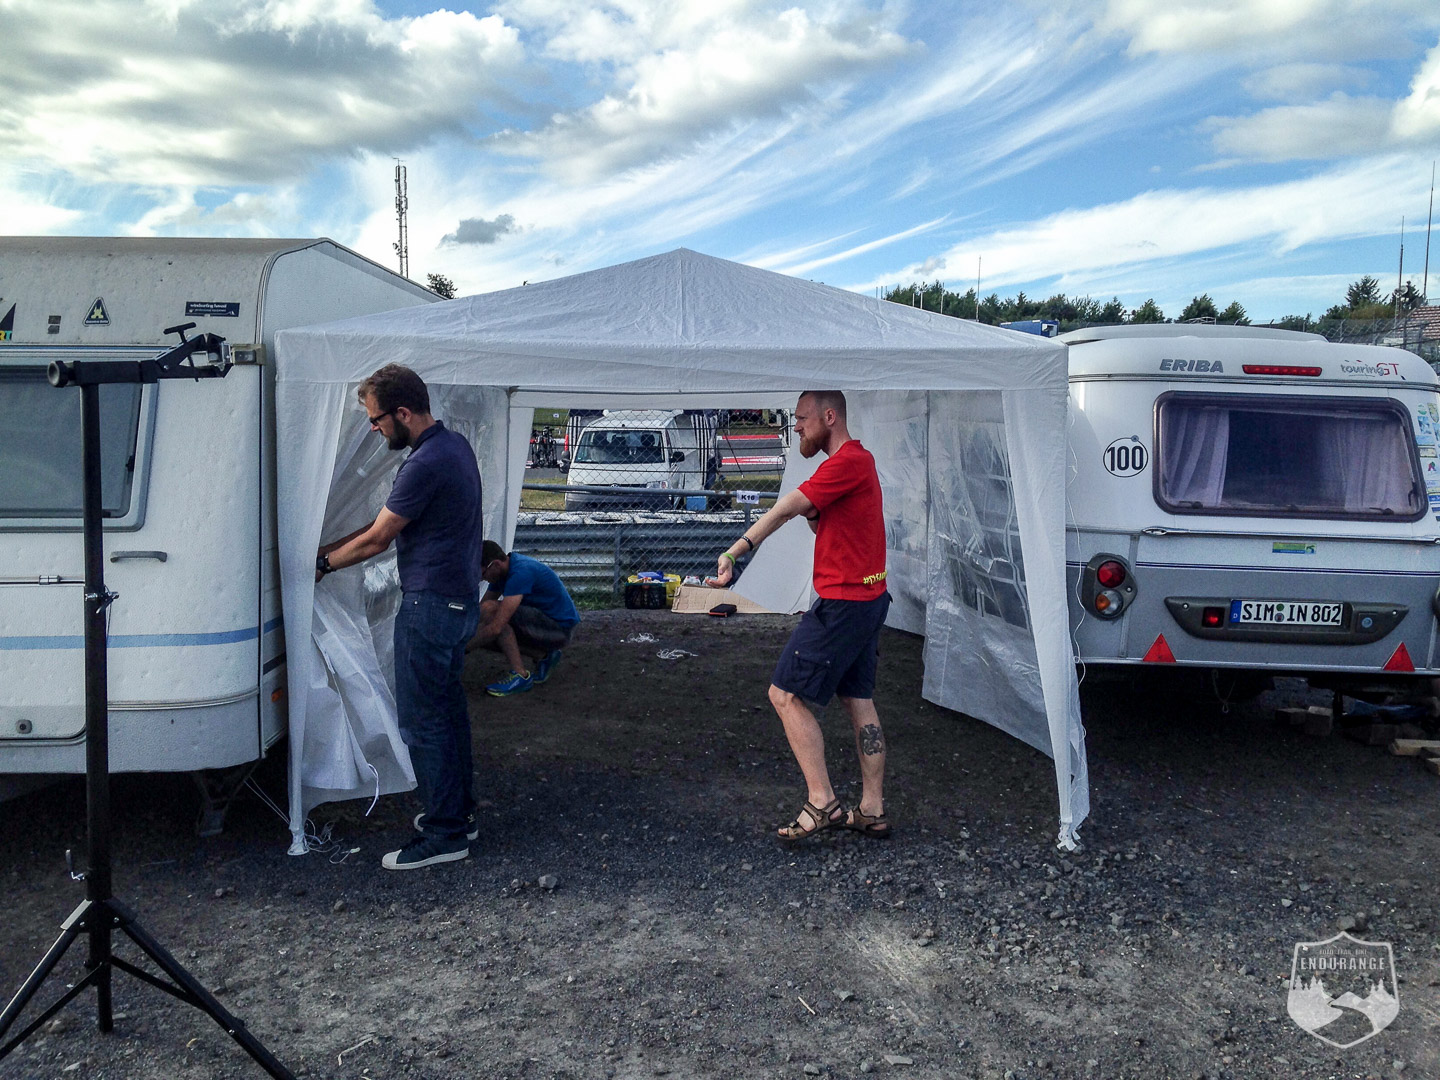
x=100 y=915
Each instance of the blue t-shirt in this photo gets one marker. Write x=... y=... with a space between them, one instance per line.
x=438 y=489
x=541 y=588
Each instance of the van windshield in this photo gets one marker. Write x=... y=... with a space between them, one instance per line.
x=628 y=447
x=1287 y=456
x=40 y=474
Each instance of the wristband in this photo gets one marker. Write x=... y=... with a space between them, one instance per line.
x=748 y=541
x=727 y=555
x=322 y=564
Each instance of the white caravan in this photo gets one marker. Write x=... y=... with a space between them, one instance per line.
x=1249 y=500
x=197 y=652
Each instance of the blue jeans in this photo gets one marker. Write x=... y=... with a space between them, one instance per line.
x=430 y=635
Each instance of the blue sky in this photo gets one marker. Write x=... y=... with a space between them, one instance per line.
x=1263 y=151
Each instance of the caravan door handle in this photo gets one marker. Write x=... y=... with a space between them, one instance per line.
x=158 y=556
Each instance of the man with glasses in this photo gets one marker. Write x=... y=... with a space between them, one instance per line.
x=527 y=613
x=433 y=517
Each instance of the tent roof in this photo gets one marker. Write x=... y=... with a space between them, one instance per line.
x=678 y=322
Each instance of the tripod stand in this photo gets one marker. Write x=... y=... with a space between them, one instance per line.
x=100 y=915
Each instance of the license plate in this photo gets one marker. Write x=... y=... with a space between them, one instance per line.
x=1285 y=612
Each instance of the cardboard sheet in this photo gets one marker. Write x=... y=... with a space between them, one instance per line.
x=699 y=599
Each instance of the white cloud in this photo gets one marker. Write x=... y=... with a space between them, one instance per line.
x=179 y=212
x=705 y=71
x=26 y=211
x=1339 y=127
x=1418 y=115
x=1078 y=249
x=1309 y=29
x=801 y=268
x=211 y=92
x=1302 y=81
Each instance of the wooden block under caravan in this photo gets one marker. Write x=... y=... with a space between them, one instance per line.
x=1433 y=764
x=1415 y=747
x=1292 y=716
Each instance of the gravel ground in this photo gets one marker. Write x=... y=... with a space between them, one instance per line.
x=626 y=913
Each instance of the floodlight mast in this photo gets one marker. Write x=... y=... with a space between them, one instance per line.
x=100 y=914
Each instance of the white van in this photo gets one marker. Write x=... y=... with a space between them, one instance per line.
x=197 y=653
x=1253 y=501
x=664 y=451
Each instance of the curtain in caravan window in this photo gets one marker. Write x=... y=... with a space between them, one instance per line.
x=40 y=469
x=1368 y=463
x=1288 y=456
x=1196 y=440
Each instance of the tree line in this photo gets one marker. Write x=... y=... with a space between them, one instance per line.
x=1364 y=302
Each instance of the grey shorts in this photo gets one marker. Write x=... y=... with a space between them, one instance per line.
x=536 y=632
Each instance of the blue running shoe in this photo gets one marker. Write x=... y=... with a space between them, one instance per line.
x=517 y=683
x=546 y=666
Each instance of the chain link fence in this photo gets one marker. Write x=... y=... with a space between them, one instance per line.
x=1411 y=331
x=608 y=495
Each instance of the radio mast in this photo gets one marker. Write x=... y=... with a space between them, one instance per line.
x=402 y=209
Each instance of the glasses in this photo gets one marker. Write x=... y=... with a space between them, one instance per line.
x=375 y=420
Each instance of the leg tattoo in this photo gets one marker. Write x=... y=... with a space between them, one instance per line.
x=871 y=741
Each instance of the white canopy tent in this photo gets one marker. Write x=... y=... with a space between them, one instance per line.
x=967 y=424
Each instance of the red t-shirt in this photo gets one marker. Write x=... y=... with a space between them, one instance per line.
x=850 y=531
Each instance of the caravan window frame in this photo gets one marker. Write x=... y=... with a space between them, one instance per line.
x=1260 y=403
x=33 y=362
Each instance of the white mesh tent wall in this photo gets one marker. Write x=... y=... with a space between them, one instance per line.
x=967 y=423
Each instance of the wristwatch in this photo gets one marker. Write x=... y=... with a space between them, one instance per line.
x=322 y=564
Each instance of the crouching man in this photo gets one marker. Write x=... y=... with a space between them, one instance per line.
x=526 y=615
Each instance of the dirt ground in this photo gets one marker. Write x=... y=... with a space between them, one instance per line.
x=627 y=914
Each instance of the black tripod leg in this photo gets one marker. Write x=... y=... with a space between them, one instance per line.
x=201 y=998
x=79 y=922
x=60 y=1002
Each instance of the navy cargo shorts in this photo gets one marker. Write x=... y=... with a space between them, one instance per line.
x=833 y=651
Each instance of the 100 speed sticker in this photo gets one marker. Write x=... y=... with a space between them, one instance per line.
x=1126 y=457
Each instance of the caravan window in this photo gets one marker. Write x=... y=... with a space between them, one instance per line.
x=627 y=447
x=40 y=473
x=1258 y=455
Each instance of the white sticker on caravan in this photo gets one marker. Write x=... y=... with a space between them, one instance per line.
x=1126 y=457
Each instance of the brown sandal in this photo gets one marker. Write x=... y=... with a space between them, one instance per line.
x=872 y=825
x=823 y=817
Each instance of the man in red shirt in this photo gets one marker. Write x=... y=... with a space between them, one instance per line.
x=833 y=650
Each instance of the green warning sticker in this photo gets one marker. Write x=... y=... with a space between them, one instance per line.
x=1292 y=547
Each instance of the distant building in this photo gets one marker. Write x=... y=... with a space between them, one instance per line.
x=1423 y=332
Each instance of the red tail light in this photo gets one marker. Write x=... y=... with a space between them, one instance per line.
x=1212 y=617
x=1279 y=369
x=1110 y=574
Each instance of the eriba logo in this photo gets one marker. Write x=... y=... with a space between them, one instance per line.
x=1211 y=366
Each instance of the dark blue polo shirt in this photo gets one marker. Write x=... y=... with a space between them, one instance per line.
x=438 y=489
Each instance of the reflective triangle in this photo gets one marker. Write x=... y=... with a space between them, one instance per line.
x=1400 y=659
x=1160 y=652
